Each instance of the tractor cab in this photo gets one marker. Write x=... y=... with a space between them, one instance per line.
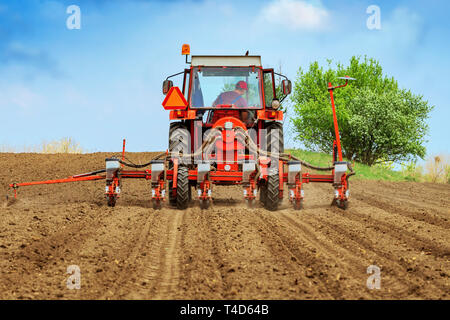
x=237 y=86
x=233 y=88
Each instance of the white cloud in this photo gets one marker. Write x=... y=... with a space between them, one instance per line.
x=295 y=14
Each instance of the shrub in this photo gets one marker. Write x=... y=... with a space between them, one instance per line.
x=437 y=169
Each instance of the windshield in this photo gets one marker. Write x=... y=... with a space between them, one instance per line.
x=235 y=87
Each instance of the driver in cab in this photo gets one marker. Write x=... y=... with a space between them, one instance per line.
x=235 y=98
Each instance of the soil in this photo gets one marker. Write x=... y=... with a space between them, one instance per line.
x=132 y=251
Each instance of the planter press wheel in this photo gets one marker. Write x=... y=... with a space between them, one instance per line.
x=156 y=204
x=112 y=201
x=251 y=203
x=298 y=204
x=342 y=204
x=205 y=204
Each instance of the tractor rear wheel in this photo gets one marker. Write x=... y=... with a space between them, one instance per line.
x=178 y=140
x=272 y=199
x=269 y=191
x=275 y=137
x=183 y=188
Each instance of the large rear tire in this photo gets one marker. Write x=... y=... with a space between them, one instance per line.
x=269 y=192
x=272 y=199
x=183 y=188
x=178 y=139
x=275 y=137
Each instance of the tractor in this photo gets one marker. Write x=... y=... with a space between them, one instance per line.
x=231 y=112
x=226 y=129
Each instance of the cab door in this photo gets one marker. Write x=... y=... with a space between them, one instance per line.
x=269 y=87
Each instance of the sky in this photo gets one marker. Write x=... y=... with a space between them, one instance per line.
x=102 y=82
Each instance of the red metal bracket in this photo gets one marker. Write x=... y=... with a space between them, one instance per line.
x=280 y=178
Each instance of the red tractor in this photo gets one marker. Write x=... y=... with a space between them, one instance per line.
x=226 y=129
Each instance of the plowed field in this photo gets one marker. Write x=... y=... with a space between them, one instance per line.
x=226 y=252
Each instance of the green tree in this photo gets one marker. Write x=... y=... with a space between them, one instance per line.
x=378 y=121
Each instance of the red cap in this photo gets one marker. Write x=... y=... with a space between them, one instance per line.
x=242 y=85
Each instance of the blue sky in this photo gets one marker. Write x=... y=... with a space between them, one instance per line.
x=102 y=83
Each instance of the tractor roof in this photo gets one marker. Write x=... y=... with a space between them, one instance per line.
x=227 y=61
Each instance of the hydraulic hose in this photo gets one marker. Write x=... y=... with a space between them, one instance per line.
x=133 y=165
x=211 y=138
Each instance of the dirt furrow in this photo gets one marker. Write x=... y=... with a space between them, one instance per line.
x=396 y=266
x=424 y=237
x=438 y=217
x=432 y=242
x=125 y=280
x=168 y=277
x=40 y=255
x=313 y=234
x=391 y=251
x=255 y=263
x=362 y=234
x=200 y=275
x=304 y=258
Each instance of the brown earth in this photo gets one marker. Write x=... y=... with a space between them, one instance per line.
x=228 y=252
